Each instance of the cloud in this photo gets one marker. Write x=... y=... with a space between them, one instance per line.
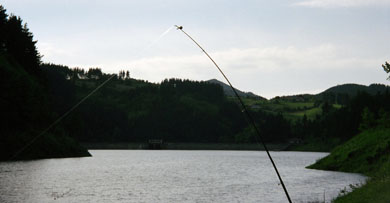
x=48 y=50
x=277 y=59
x=268 y=71
x=341 y=3
x=241 y=62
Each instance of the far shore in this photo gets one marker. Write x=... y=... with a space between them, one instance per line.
x=189 y=146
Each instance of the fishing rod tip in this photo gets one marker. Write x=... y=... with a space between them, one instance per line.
x=179 y=27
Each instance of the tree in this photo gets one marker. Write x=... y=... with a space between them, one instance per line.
x=3 y=22
x=386 y=68
x=95 y=73
x=326 y=107
x=19 y=44
x=127 y=75
x=121 y=75
x=368 y=119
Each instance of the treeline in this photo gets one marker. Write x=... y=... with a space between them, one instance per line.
x=337 y=125
x=176 y=110
x=17 y=42
x=25 y=102
x=342 y=94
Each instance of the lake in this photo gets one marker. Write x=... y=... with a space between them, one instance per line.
x=171 y=176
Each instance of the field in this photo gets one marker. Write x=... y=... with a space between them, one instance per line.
x=291 y=110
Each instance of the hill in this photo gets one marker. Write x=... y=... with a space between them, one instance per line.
x=353 y=89
x=295 y=107
x=130 y=110
x=229 y=92
x=341 y=94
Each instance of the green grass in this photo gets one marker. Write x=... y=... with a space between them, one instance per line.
x=292 y=110
x=367 y=153
x=310 y=113
x=337 y=106
x=296 y=105
x=364 y=153
x=373 y=191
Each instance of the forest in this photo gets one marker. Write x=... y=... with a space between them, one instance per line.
x=175 y=110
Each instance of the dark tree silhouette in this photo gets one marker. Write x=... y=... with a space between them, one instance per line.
x=3 y=23
x=127 y=74
x=19 y=43
x=386 y=68
x=94 y=73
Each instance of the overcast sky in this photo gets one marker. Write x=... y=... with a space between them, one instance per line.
x=271 y=48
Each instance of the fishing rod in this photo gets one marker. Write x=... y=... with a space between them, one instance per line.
x=251 y=120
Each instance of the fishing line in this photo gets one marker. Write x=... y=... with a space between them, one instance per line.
x=60 y=118
x=154 y=42
x=85 y=98
x=252 y=121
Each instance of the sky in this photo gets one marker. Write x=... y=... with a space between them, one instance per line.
x=270 y=48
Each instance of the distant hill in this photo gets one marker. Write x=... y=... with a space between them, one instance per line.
x=341 y=94
x=353 y=89
x=229 y=92
x=344 y=90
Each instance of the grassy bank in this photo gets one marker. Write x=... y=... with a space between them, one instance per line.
x=367 y=153
x=186 y=146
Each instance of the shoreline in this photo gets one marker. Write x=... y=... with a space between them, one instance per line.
x=188 y=146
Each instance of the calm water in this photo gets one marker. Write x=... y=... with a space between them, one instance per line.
x=171 y=176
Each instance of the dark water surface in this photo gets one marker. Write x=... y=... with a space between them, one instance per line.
x=171 y=176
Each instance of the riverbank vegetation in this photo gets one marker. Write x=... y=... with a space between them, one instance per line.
x=367 y=153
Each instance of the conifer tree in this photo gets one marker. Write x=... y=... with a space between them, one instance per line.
x=386 y=68
x=127 y=75
x=3 y=22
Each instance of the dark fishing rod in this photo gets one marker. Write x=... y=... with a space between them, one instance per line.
x=250 y=118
